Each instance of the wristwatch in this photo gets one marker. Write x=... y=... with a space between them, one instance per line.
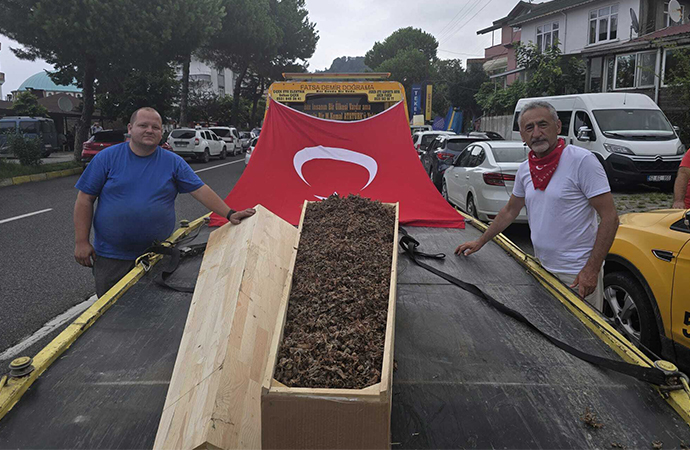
x=230 y=213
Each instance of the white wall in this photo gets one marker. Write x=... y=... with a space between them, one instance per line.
x=502 y=125
x=198 y=67
x=574 y=25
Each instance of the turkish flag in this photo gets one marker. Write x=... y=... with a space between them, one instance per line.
x=299 y=157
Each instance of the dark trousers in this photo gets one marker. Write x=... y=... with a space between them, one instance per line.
x=108 y=272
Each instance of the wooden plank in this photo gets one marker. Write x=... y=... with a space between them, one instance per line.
x=329 y=418
x=215 y=391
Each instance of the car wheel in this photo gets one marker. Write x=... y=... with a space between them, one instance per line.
x=223 y=153
x=628 y=309
x=444 y=191
x=471 y=207
x=206 y=157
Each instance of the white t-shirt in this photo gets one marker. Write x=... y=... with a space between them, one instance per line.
x=562 y=222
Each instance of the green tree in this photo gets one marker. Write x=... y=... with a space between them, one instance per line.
x=453 y=85
x=88 y=40
x=408 y=54
x=261 y=36
x=402 y=40
x=26 y=104
x=348 y=64
x=549 y=72
x=124 y=94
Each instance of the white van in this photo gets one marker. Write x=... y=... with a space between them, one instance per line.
x=628 y=133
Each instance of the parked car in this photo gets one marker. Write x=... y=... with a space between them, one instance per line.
x=646 y=282
x=627 y=132
x=231 y=137
x=422 y=139
x=198 y=143
x=99 y=141
x=30 y=127
x=250 y=150
x=256 y=131
x=440 y=153
x=419 y=128
x=245 y=139
x=482 y=177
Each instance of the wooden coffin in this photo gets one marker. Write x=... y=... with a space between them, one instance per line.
x=329 y=418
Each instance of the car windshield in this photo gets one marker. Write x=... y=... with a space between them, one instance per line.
x=634 y=124
x=28 y=127
x=459 y=144
x=222 y=132
x=7 y=126
x=109 y=136
x=510 y=154
x=183 y=134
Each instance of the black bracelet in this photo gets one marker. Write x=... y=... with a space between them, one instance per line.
x=232 y=211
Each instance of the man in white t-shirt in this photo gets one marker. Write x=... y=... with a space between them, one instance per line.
x=563 y=188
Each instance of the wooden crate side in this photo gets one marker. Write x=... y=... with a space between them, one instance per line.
x=313 y=422
x=282 y=311
x=211 y=386
x=389 y=345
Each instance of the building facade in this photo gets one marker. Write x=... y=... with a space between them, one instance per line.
x=207 y=77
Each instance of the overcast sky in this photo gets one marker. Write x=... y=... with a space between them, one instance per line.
x=350 y=28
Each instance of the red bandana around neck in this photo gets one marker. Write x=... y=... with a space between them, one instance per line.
x=542 y=169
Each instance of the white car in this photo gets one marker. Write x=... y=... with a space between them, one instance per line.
x=482 y=177
x=231 y=137
x=250 y=150
x=422 y=139
x=200 y=144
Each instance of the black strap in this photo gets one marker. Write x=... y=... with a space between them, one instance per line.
x=176 y=254
x=648 y=374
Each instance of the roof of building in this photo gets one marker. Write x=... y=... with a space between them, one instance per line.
x=664 y=32
x=520 y=8
x=544 y=9
x=42 y=82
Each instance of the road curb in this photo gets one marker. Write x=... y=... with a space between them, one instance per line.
x=40 y=177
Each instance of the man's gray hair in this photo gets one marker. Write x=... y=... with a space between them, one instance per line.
x=538 y=104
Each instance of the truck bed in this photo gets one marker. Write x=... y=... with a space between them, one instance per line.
x=467 y=376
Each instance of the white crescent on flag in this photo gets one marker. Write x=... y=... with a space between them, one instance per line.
x=338 y=154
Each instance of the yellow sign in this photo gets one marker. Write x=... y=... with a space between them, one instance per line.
x=377 y=92
x=429 y=96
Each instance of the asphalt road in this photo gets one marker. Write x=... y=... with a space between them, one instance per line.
x=39 y=278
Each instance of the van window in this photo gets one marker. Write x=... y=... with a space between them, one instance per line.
x=582 y=120
x=28 y=127
x=516 y=125
x=46 y=127
x=643 y=123
x=564 y=117
x=6 y=127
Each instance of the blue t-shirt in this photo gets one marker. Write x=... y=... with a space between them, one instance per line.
x=136 y=198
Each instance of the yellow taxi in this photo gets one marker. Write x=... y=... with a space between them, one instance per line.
x=647 y=282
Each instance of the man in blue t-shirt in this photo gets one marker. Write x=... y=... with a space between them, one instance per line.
x=136 y=184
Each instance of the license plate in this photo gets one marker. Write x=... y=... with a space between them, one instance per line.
x=658 y=177
x=181 y=144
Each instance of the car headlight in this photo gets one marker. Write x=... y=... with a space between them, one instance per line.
x=681 y=149
x=613 y=148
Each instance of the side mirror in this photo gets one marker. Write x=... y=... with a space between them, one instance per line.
x=676 y=128
x=584 y=133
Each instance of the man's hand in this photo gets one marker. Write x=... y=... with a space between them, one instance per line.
x=679 y=205
x=237 y=216
x=84 y=254
x=586 y=281
x=469 y=247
